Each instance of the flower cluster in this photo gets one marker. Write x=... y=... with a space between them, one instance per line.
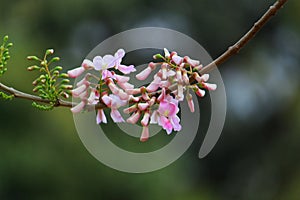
x=157 y=103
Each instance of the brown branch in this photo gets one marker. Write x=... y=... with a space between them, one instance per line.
x=234 y=49
x=22 y=95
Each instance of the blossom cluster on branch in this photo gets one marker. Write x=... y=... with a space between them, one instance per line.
x=157 y=103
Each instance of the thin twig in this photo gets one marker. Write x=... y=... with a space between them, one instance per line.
x=234 y=49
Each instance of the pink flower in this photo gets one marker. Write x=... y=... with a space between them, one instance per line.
x=74 y=73
x=145 y=120
x=191 y=62
x=116 y=116
x=78 y=108
x=121 y=79
x=114 y=102
x=199 y=92
x=154 y=85
x=122 y=68
x=167 y=53
x=126 y=69
x=134 y=118
x=190 y=101
x=145 y=134
x=167 y=115
x=79 y=90
x=177 y=59
x=126 y=86
x=130 y=109
x=101 y=117
x=209 y=86
x=107 y=62
x=143 y=106
x=144 y=74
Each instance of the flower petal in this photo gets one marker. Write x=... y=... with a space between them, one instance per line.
x=116 y=116
x=74 y=73
x=144 y=74
x=101 y=117
x=126 y=69
x=78 y=108
x=145 y=134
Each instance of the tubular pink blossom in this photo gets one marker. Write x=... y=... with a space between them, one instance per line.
x=205 y=77
x=83 y=82
x=87 y=64
x=143 y=106
x=191 y=62
x=199 y=67
x=107 y=100
x=144 y=74
x=164 y=67
x=130 y=109
x=185 y=77
x=126 y=69
x=101 y=117
x=210 y=86
x=200 y=92
x=177 y=59
x=133 y=98
x=92 y=98
x=133 y=91
x=78 y=108
x=116 y=116
x=152 y=65
x=167 y=53
x=145 y=134
x=79 y=90
x=162 y=96
x=154 y=117
x=134 y=118
x=180 y=95
x=125 y=86
x=152 y=101
x=190 y=101
x=74 y=73
x=121 y=79
x=145 y=120
x=179 y=75
x=154 y=85
x=83 y=95
x=123 y=95
x=114 y=89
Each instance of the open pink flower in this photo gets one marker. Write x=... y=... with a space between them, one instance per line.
x=167 y=116
x=114 y=103
x=122 y=68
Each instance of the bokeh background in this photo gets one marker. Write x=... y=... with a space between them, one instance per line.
x=258 y=154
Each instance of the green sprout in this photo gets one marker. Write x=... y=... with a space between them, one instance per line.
x=4 y=54
x=51 y=84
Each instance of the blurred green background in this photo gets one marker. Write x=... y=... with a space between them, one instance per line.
x=257 y=156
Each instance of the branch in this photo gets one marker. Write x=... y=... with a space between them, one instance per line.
x=22 y=95
x=234 y=49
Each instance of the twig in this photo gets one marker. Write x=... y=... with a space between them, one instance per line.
x=234 y=49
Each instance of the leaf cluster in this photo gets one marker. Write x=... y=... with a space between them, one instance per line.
x=50 y=84
x=4 y=54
